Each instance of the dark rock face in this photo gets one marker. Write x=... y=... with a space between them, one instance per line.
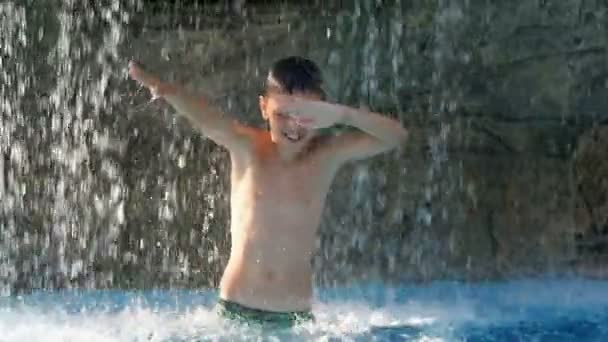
x=504 y=174
x=591 y=176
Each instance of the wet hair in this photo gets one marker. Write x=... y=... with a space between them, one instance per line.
x=294 y=74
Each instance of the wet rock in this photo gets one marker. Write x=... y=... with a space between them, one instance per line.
x=495 y=95
x=591 y=176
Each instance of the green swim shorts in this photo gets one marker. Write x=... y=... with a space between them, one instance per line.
x=250 y=316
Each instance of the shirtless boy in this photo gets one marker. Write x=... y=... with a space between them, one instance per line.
x=279 y=181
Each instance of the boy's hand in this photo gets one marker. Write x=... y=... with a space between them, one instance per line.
x=153 y=83
x=310 y=113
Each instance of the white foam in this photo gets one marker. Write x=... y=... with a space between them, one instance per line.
x=424 y=313
x=131 y=324
x=342 y=321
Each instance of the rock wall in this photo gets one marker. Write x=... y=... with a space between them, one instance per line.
x=503 y=176
x=591 y=213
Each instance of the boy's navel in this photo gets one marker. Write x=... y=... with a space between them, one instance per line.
x=269 y=275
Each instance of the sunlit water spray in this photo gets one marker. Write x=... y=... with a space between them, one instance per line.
x=73 y=147
x=59 y=187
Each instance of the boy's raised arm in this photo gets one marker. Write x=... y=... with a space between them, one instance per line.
x=209 y=119
x=376 y=133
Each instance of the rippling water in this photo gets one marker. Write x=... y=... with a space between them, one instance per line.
x=549 y=310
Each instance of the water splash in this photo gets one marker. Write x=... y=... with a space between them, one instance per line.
x=58 y=184
x=566 y=310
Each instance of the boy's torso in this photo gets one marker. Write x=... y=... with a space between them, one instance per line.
x=275 y=212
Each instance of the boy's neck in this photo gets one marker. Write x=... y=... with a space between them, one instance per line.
x=288 y=153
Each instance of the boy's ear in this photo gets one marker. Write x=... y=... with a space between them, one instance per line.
x=263 y=107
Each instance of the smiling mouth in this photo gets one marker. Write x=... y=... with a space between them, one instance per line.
x=293 y=136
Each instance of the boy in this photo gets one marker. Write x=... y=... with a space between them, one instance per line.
x=279 y=180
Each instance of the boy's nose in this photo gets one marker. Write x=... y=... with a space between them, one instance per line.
x=291 y=123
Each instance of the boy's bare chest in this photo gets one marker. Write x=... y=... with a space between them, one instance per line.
x=286 y=184
x=265 y=183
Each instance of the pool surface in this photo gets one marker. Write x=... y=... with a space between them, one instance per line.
x=525 y=310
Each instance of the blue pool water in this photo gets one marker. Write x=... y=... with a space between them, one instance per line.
x=526 y=310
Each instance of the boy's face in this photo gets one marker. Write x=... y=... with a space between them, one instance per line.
x=283 y=128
